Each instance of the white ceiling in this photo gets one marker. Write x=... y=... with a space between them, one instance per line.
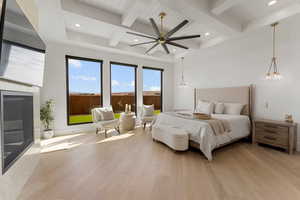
x=103 y=23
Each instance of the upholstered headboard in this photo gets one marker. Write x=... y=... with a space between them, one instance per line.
x=241 y=95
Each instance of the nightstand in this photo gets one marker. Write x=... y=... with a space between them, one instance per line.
x=275 y=133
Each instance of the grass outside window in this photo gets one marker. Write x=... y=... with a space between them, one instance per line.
x=77 y=119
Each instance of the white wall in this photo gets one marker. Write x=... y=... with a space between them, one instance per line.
x=55 y=80
x=244 y=61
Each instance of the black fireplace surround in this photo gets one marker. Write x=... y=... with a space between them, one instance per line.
x=16 y=126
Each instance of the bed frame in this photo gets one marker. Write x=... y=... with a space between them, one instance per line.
x=241 y=95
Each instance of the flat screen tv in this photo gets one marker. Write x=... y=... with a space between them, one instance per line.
x=22 y=50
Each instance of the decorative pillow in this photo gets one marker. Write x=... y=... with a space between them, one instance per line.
x=148 y=110
x=219 y=108
x=233 y=108
x=105 y=113
x=204 y=107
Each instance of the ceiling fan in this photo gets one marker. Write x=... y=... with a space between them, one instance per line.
x=162 y=37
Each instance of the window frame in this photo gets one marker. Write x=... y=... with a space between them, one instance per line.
x=135 y=81
x=161 y=84
x=67 y=57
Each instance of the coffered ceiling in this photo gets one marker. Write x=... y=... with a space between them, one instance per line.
x=102 y=24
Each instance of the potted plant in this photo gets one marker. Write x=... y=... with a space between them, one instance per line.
x=47 y=118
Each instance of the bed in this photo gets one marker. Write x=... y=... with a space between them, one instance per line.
x=200 y=132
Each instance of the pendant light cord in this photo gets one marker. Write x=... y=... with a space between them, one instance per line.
x=274 y=61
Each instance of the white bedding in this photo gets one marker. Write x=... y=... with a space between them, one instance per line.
x=201 y=132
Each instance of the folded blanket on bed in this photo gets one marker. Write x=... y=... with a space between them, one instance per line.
x=219 y=126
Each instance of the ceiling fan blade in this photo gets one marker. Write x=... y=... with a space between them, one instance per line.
x=146 y=36
x=143 y=43
x=166 y=48
x=174 y=30
x=155 y=27
x=177 y=45
x=151 y=48
x=183 y=37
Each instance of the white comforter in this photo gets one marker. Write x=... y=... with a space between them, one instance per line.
x=201 y=132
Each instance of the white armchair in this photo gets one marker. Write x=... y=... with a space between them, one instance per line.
x=148 y=115
x=104 y=122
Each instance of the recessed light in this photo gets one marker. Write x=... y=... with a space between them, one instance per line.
x=271 y=3
x=207 y=34
x=136 y=40
x=77 y=25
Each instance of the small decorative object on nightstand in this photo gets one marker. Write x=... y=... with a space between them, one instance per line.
x=276 y=133
x=127 y=121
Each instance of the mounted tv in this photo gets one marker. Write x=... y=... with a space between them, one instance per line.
x=22 y=50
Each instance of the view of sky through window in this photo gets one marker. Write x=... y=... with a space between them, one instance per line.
x=151 y=80
x=84 y=76
x=122 y=78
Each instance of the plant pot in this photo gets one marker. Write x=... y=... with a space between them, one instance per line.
x=47 y=134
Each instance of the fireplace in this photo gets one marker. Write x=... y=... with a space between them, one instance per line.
x=16 y=126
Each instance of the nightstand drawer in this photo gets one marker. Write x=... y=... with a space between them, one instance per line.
x=282 y=140
x=272 y=128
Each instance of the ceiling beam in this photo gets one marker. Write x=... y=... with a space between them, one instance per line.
x=50 y=12
x=132 y=13
x=220 y=6
x=116 y=38
x=99 y=43
x=286 y=12
x=107 y=18
x=200 y=12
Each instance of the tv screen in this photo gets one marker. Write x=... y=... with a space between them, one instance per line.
x=23 y=51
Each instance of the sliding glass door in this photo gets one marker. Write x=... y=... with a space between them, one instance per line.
x=152 y=88
x=123 y=86
x=84 y=88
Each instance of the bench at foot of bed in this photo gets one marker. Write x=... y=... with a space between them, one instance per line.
x=177 y=139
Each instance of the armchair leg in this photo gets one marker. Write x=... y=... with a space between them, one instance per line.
x=105 y=133
x=144 y=125
x=97 y=131
x=117 y=128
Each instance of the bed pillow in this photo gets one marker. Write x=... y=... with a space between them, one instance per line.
x=233 y=108
x=148 y=110
x=204 y=107
x=219 y=108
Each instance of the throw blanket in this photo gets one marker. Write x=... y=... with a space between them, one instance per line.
x=219 y=126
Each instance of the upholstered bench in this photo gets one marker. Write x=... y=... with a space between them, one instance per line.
x=175 y=138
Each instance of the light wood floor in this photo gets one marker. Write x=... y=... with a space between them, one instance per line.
x=135 y=167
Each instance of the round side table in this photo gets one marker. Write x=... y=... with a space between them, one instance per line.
x=127 y=121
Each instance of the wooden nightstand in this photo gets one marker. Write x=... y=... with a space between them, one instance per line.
x=276 y=133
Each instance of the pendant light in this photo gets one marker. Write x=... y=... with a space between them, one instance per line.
x=182 y=83
x=273 y=72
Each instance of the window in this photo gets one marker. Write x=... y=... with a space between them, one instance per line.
x=152 y=87
x=84 y=88
x=123 y=86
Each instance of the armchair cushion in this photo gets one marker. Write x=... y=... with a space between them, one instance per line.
x=148 y=110
x=102 y=114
